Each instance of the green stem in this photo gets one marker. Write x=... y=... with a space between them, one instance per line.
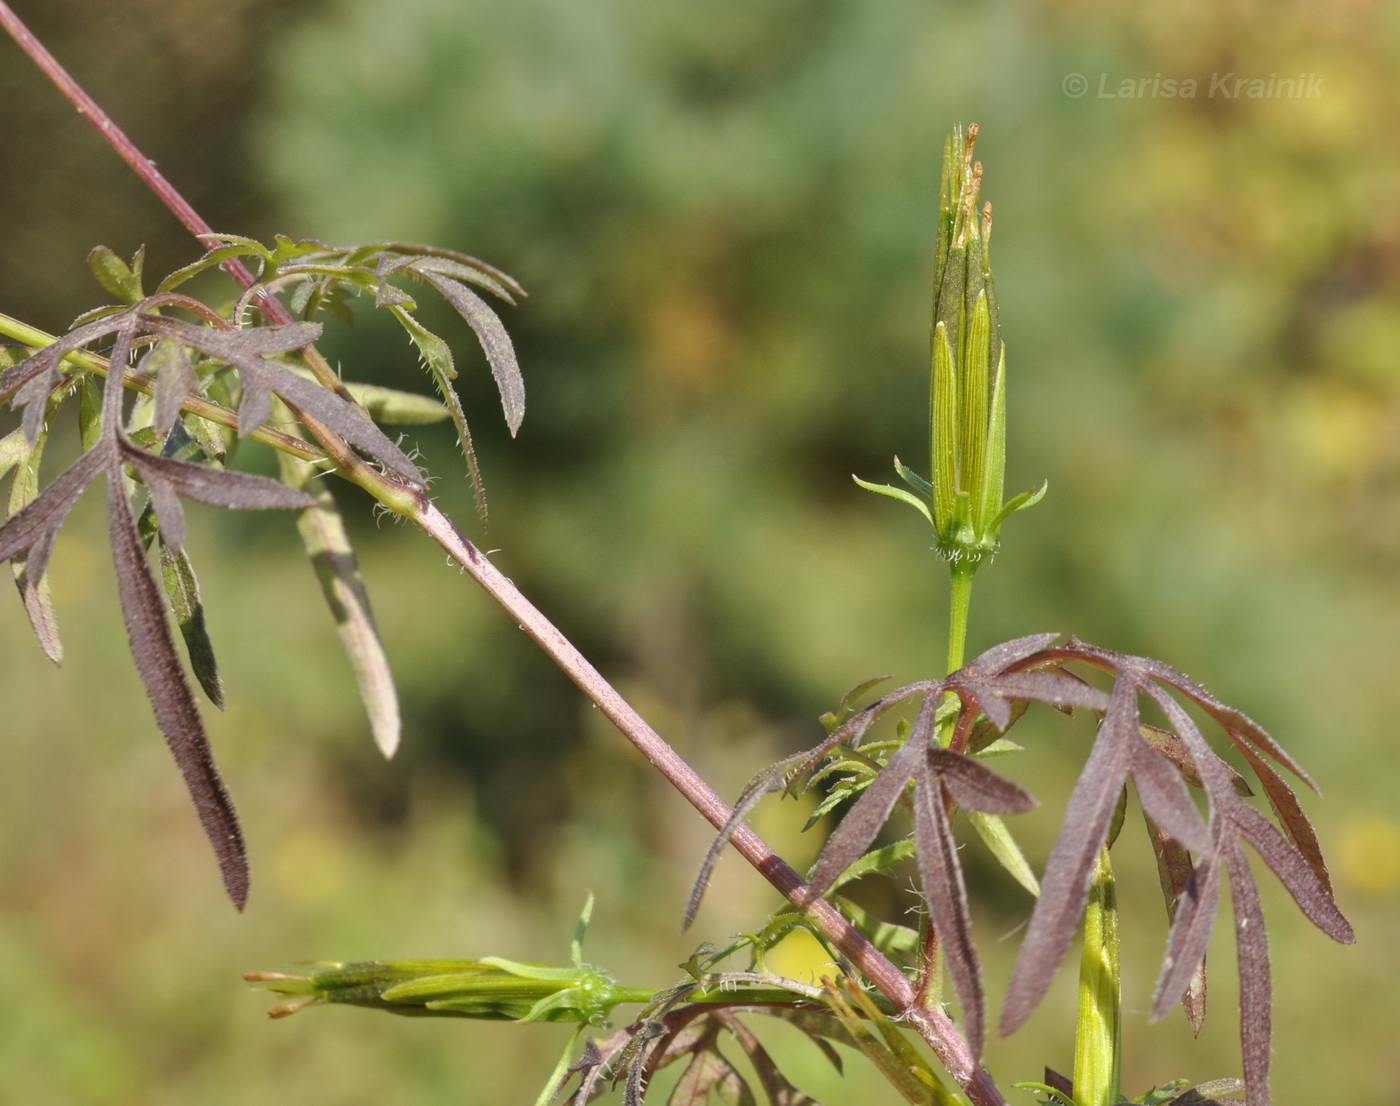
x=961 y=600
x=961 y=592
x=1098 y=1032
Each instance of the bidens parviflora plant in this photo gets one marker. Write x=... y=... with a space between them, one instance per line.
x=247 y=368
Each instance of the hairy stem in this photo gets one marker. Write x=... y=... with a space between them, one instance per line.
x=961 y=601
x=934 y=1026
x=1097 y=1032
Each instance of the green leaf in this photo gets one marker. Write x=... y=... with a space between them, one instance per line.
x=913 y=479
x=881 y=860
x=1056 y=1096
x=889 y=937
x=338 y=572
x=214 y=257
x=438 y=356
x=116 y=276
x=1020 y=503
x=31 y=572
x=389 y=405
x=992 y=829
x=89 y=410
x=897 y=493
x=182 y=589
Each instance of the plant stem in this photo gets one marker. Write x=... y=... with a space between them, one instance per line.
x=1098 y=1030
x=933 y=1025
x=207 y=409
x=961 y=601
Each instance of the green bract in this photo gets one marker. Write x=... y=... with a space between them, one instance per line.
x=968 y=389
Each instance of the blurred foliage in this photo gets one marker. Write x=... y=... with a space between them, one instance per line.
x=724 y=214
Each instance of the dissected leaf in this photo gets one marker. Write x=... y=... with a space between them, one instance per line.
x=175 y=710
x=1121 y=752
x=438 y=357
x=495 y=343
x=175 y=379
x=247 y=350
x=709 y=1071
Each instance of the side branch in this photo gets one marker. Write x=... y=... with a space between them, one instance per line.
x=932 y=1025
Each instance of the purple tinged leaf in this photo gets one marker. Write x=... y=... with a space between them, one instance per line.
x=246 y=350
x=175 y=379
x=37 y=596
x=780 y=1092
x=1070 y=869
x=43 y=518
x=1173 y=748
x=1189 y=936
x=47 y=359
x=979 y=696
x=34 y=398
x=495 y=343
x=1051 y=688
x=848 y=700
x=1289 y=813
x=709 y=1071
x=1256 y=985
x=1214 y=773
x=974 y=786
x=1003 y=656
x=429 y=256
x=169 y=693
x=1061 y=1083
x=216 y=486
x=169 y=513
x=1314 y=898
x=30 y=570
x=946 y=895
x=849 y=842
x=344 y=418
x=1175 y=872
x=471 y=274
x=1237 y=724
x=255 y=406
x=1164 y=797
x=765 y=783
x=1291 y=866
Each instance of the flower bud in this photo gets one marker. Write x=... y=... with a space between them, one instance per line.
x=968 y=378
x=490 y=988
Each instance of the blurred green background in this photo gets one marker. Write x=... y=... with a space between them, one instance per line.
x=724 y=213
